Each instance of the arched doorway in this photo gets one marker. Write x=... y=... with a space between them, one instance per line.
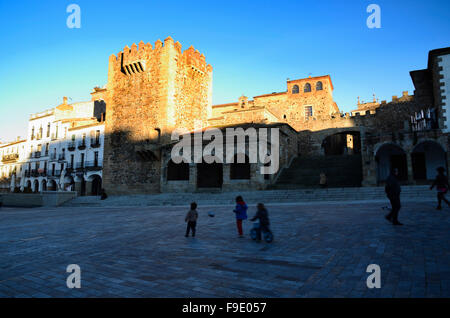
x=69 y=183
x=388 y=157
x=96 y=185
x=44 y=185
x=426 y=157
x=240 y=171
x=343 y=143
x=177 y=171
x=52 y=185
x=36 y=186
x=28 y=187
x=209 y=175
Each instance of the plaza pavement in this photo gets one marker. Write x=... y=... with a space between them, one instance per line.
x=320 y=250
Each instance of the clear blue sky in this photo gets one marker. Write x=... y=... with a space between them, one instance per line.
x=252 y=45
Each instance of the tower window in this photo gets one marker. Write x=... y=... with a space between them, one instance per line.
x=308 y=112
x=295 y=89
x=319 y=86
x=307 y=88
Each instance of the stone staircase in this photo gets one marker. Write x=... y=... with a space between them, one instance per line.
x=409 y=193
x=341 y=171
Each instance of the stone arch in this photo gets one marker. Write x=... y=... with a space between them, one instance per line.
x=240 y=170
x=44 y=185
x=36 y=186
x=388 y=156
x=52 y=185
x=342 y=141
x=69 y=183
x=28 y=188
x=177 y=172
x=80 y=185
x=209 y=175
x=95 y=184
x=426 y=157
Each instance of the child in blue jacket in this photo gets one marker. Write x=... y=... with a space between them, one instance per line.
x=241 y=214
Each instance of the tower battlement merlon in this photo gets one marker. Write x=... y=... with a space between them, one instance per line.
x=132 y=59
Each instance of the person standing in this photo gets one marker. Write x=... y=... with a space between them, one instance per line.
x=241 y=214
x=191 y=219
x=323 y=180
x=393 y=190
x=441 y=183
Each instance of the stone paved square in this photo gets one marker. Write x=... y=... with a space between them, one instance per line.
x=320 y=250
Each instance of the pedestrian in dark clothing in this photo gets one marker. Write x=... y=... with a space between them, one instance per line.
x=103 y=195
x=441 y=183
x=393 y=190
x=241 y=214
x=263 y=216
x=191 y=219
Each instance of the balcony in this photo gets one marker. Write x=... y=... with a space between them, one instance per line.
x=13 y=157
x=82 y=145
x=55 y=174
x=34 y=173
x=27 y=174
x=95 y=143
x=71 y=146
x=81 y=166
x=93 y=166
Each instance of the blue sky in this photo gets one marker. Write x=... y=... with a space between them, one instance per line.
x=253 y=46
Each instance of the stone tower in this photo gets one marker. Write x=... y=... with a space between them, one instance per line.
x=150 y=91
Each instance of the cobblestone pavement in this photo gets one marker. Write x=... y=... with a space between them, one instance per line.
x=320 y=250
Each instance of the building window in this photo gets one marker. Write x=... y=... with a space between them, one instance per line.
x=48 y=130
x=319 y=86
x=295 y=89
x=240 y=171
x=307 y=88
x=177 y=172
x=308 y=111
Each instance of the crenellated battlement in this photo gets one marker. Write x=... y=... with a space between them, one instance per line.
x=145 y=52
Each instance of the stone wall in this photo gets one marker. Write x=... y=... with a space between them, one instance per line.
x=150 y=91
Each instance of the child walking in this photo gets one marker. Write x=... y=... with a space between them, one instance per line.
x=241 y=214
x=263 y=216
x=441 y=183
x=191 y=219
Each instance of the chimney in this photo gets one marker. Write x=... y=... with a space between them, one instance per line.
x=64 y=100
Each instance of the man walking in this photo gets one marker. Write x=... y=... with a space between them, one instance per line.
x=393 y=190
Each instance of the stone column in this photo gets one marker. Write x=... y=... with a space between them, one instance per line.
x=192 y=176
x=88 y=187
x=78 y=188
x=226 y=174
x=409 y=168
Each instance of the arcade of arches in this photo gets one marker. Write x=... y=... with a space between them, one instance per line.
x=417 y=165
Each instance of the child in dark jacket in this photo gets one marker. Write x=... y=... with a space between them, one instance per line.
x=191 y=219
x=263 y=217
x=441 y=183
x=241 y=214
